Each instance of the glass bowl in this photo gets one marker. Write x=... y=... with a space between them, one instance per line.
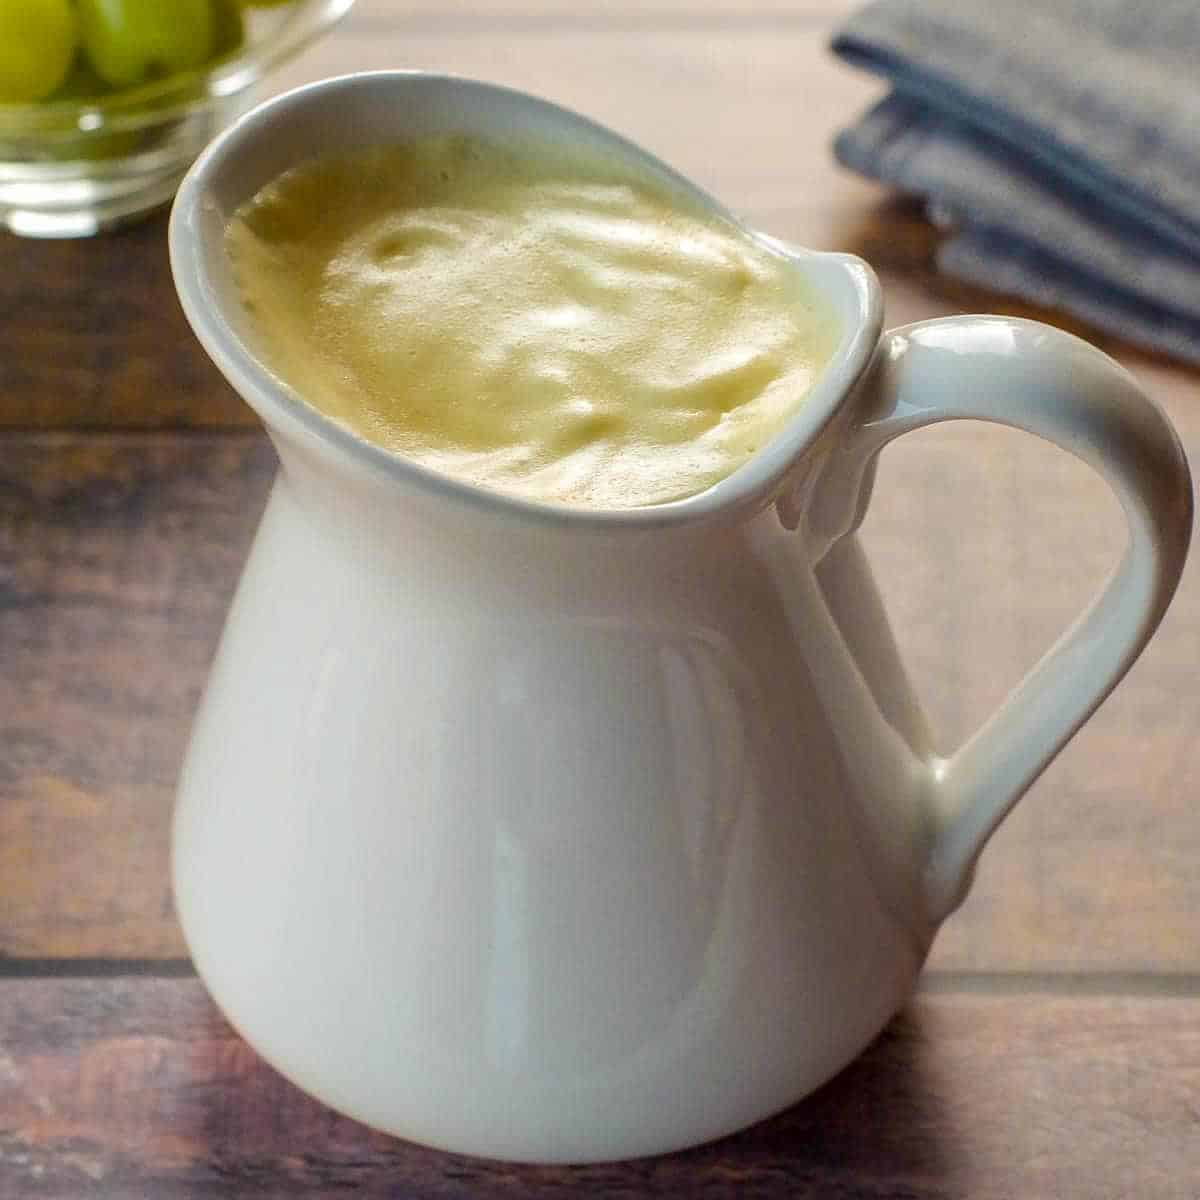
x=72 y=168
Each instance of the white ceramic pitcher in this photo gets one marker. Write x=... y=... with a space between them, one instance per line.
x=563 y=835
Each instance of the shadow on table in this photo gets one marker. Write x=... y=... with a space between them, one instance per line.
x=898 y=239
x=876 y=1130
x=879 y=1128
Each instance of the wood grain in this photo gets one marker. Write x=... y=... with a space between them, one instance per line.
x=92 y=337
x=127 y=1088
x=987 y=544
x=117 y=560
x=119 y=554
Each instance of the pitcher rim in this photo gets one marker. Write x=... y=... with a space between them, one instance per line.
x=283 y=409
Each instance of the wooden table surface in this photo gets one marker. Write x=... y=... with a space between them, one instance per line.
x=1054 y=1046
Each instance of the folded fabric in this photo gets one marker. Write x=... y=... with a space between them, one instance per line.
x=1058 y=141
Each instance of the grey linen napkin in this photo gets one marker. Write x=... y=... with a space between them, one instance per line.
x=1058 y=141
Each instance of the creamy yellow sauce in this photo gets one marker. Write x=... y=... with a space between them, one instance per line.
x=527 y=320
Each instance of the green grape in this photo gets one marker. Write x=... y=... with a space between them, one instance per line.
x=81 y=83
x=84 y=86
x=37 y=44
x=228 y=28
x=132 y=41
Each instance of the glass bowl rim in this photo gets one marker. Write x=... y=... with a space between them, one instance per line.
x=181 y=94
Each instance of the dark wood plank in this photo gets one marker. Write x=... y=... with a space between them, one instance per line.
x=119 y=554
x=92 y=336
x=131 y=1088
x=117 y=560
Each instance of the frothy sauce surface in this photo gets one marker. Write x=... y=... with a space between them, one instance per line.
x=527 y=320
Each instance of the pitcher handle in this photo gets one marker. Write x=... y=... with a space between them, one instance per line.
x=1030 y=376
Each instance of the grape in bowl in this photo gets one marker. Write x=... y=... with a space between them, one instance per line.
x=104 y=104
